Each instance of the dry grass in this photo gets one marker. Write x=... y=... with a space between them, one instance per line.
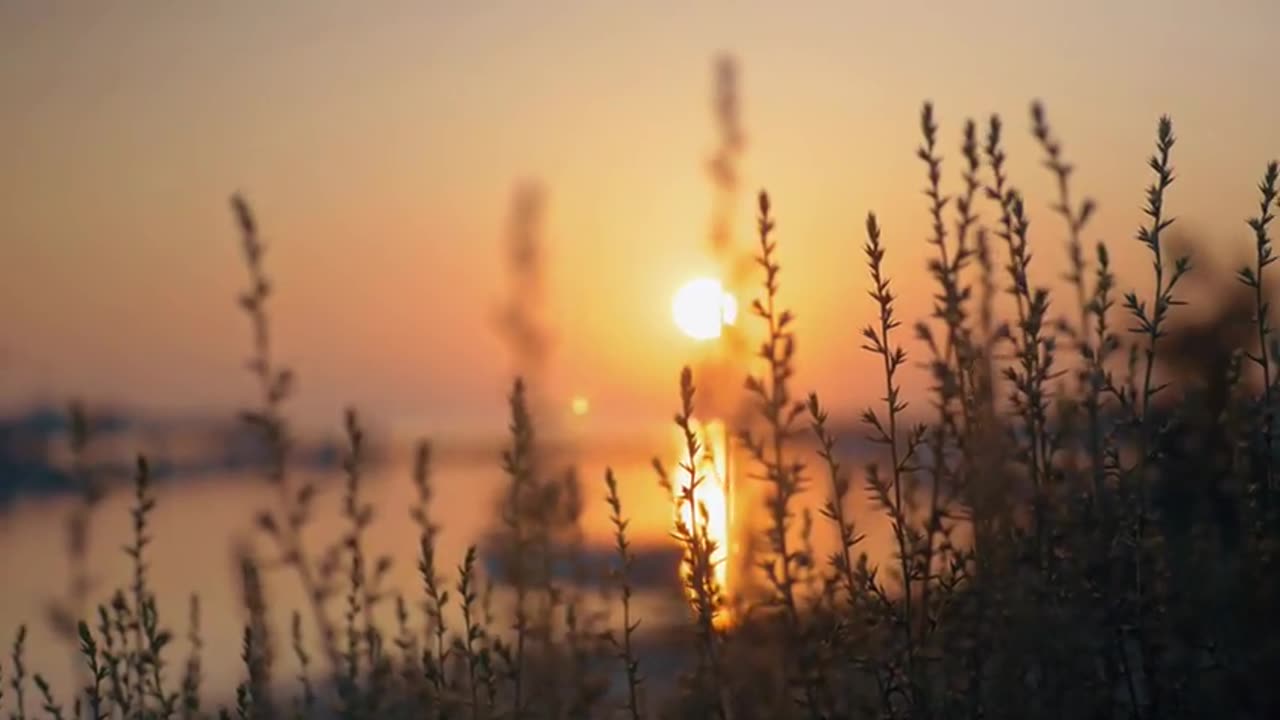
x=1069 y=540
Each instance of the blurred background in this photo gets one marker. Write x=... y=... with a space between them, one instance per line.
x=454 y=193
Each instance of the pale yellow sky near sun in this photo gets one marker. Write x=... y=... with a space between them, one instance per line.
x=380 y=142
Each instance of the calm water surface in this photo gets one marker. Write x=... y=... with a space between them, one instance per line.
x=197 y=525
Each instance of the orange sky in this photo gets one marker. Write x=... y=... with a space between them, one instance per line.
x=380 y=142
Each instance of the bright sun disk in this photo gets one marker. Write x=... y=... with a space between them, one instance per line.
x=702 y=308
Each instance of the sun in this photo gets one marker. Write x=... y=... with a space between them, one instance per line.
x=702 y=308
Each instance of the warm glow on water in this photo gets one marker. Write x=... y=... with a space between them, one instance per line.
x=712 y=493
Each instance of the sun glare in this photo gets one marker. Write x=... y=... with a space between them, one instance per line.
x=713 y=494
x=702 y=308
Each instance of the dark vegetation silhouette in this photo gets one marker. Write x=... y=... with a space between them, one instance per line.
x=1083 y=519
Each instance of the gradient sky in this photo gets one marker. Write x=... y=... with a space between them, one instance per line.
x=380 y=142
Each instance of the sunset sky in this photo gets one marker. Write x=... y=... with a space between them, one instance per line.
x=380 y=143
